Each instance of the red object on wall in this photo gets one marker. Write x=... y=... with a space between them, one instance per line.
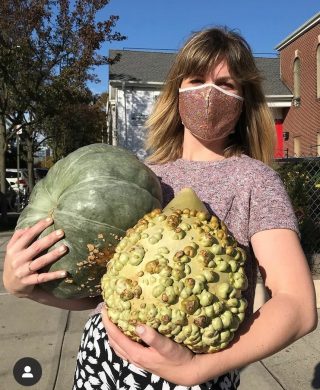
x=279 y=146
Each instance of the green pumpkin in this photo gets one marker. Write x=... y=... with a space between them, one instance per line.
x=94 y=194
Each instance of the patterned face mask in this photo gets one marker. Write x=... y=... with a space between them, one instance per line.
x=208 y=111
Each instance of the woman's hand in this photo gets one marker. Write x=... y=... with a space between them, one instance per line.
x=21 y=264
x=162 y=356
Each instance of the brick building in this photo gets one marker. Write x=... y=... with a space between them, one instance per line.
x=300 y=72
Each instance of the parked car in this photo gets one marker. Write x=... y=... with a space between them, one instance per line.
x=23 y=180
x=17 y=182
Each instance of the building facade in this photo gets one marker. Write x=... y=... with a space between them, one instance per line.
x=300 y=72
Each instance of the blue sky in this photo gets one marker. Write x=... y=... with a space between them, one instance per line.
x=166 y=24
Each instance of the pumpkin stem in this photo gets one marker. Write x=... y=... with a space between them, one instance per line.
x=185 y=199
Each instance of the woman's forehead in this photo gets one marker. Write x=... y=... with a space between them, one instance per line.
x=220 y=68
x=217 y=68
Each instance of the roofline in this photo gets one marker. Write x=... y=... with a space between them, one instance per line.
x=171 y=52
x=122 y=83
x=307 y=25
x=146 y=50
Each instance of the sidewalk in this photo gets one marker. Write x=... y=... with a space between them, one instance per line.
x=52 y=336
x=47 y=334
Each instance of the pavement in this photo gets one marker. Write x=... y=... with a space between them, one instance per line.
x=52 y=337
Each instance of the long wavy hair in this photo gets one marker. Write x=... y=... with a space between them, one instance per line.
x=254 y=133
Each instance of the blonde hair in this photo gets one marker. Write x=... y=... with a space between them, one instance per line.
x=255 y=131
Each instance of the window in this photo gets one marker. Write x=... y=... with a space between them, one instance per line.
x=296 y=78
x=318 y=72
x=112 y=92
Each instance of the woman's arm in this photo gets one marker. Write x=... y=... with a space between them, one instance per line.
x=45 y=298
x=287 y=316
x=21 y=266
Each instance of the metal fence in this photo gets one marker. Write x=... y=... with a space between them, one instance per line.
x=301 y=177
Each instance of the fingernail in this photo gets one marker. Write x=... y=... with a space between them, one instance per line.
x=63 y=274
x=62 y=248
x=49 y=219
x=140 y=329
x=59 y=232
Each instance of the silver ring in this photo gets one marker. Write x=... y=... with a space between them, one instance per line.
x=30 y=270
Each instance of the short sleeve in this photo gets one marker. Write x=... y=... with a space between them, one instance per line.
x=270 y=205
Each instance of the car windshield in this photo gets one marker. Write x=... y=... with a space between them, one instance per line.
x=12 y=174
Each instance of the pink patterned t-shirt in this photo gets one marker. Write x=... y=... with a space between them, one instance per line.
x=245 y=193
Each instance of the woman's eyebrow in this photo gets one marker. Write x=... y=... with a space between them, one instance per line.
x=225 y=78
x=192 y=76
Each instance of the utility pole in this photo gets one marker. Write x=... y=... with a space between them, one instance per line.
x=18 y=132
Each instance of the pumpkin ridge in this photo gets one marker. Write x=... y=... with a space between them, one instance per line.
x=63 y=212
x=49 y=194
x=37 y=209
x=86 y=153
x=116 y=180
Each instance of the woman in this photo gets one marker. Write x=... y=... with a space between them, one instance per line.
x=209 y=129
x=210 y=117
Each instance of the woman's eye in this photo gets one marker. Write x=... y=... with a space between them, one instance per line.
x=196 y=81
x=227 y=85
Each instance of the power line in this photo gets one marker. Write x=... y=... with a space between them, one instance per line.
x=148 y=49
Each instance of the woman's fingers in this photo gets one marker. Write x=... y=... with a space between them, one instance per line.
x=26 y=256
x=121 y=352
x=41 y=245
x=16 y=235
x=48 y=258
x=30 y=234
x=118 y=350
x=117 y=340
x=34 y=266
x=37 y=278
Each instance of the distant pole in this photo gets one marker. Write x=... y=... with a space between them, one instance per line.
x=106 y=123
x=18 y=170
x=19 y=131
x=125 y=112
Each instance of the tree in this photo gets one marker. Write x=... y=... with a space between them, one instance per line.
x=101 y=103
x=48 y=48
x=80 y=121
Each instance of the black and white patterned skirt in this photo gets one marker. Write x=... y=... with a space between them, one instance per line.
x=98 y=367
